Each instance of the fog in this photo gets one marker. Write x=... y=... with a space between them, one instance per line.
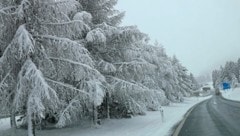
x=203 y=34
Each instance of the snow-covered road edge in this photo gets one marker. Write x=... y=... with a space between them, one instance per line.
x=231 y=94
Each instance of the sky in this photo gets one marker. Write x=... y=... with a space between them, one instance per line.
x=203 y=34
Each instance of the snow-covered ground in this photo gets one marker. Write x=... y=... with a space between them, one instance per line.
x=232 y=94
x=4 y=124
x=148 y=125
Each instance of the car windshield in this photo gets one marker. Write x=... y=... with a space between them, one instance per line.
x=119 y=68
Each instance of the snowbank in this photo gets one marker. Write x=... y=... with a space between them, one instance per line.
x=232 y=94
x=149 y=125
x=4 y=124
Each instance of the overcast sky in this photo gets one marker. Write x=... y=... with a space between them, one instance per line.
x=203 y=34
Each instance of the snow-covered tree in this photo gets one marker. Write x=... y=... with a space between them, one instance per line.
x=229 y=73
x=52 y=68
x=183 y=79
x=238 y=70
x=102 y=11
x=194 y=83
x=215 y=78
x=33 y=90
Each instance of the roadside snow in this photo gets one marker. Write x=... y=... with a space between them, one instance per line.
x=149 y=125
x=232 y=94
x=4 y=124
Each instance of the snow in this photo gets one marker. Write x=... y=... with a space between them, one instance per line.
x=84 y=16
x=4 y=124
x=96 y=36
x=148 y=125
x=21 y=45
x=106 y=67
x=232 y=94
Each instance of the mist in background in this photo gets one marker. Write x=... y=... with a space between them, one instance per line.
x=203 y=34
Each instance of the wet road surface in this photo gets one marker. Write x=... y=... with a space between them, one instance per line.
x=213 y=117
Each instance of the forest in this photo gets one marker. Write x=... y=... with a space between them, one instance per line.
x=62 y=61
x=229 y=73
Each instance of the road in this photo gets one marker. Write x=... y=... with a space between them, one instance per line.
x=213 y=117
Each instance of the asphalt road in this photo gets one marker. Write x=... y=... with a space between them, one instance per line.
x=213 y=117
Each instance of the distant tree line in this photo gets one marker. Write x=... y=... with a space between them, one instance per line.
x=230 y=73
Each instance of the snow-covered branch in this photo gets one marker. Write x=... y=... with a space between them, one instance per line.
x=21 y=45
x=65 y=48
x=69 y=112
x=106 y=67
x=32 y=85
x=67 y=86
x=76 y=63
x=75 y=29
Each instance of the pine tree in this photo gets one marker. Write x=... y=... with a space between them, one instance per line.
x=229 y=73
x=194 y=83
x=102 y=11
x=110 y=46
x=52 y=68
x=215 y=78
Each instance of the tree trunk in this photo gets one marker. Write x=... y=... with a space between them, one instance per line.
x=95 y=114
x=31 y=124
x=33 y=128
x=107 y=105
x=12 y=119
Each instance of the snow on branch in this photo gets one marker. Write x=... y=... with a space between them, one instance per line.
x=75 y=29
x=56 y=2
x=75 y=70
x=130 y=53
x=8 y=10
x=8 y=28
x=7 y=83
x=32 y=85
x=138 y=94
x=129 y=34
x=65 y=48
x=83 y=16
x=127 y=86
x=96 y=36
x=44 y=62
x=57 y=11
x=109 y=31
x=128 y=94
x=125 y=35
x=67 y=86
x=91 y=93
x=106 y=67
x=25 y=4
x=4 y=85
x=75 y=99
x=21 y=45
x=139 y=66
x=116 y=18
x=69 y=112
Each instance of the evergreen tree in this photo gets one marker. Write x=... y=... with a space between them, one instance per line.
x=51 y=67
x=194 y=83
x=103 y=11
x=229 y=73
